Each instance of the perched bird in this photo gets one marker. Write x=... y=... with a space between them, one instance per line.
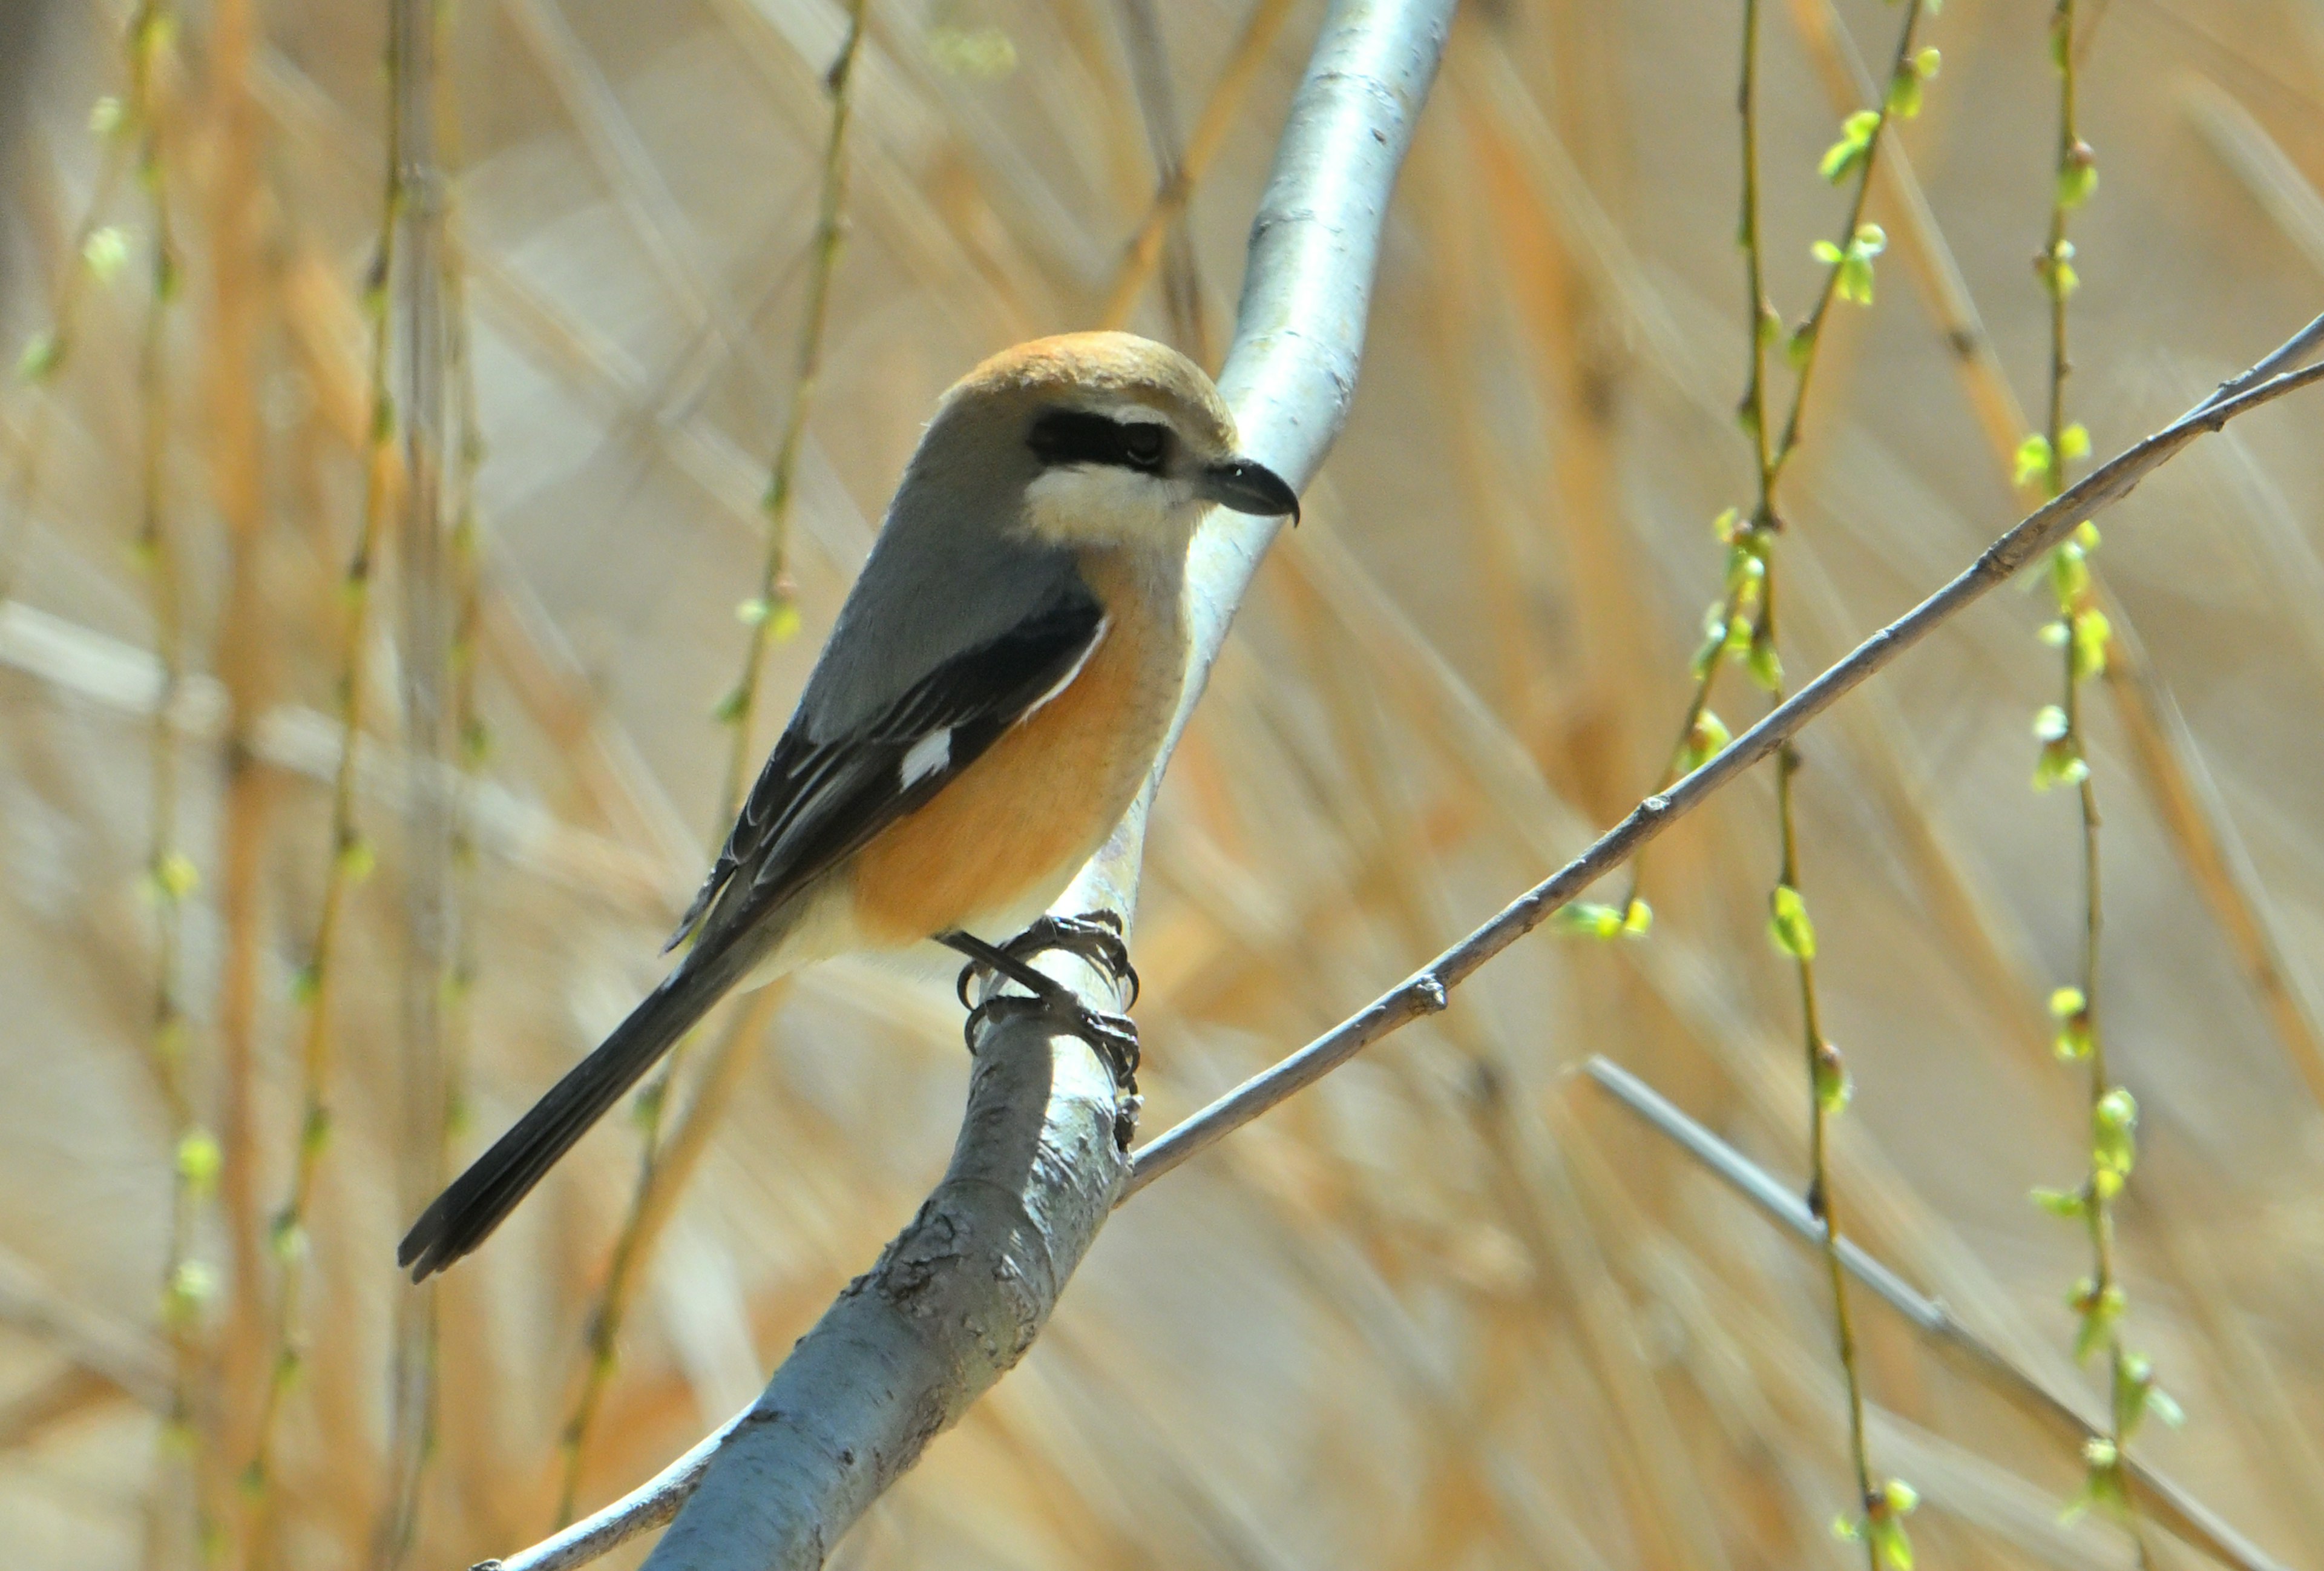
x=991 y=699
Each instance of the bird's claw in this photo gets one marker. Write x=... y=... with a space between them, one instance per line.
x=1097 y=939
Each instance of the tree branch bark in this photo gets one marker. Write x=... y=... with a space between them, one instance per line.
x=960 y=1295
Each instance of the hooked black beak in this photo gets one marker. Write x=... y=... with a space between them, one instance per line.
x=1247 y=486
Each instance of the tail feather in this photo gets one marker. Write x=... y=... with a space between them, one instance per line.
x=465 y=1215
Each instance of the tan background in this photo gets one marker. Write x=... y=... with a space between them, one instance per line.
x=1398 y=1324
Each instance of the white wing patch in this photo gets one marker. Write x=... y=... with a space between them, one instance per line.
x=929 y=755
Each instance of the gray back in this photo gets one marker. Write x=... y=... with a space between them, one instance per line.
x=953 y=569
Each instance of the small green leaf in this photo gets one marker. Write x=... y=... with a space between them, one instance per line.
x=2100 y=1312
x=104 y=252
x=2078 y=175
x=1833 y=1085
x=1788 y=923
x=729 y=709
x=198 y=1159
x=1842 y=157
x=2068 y=1002
x=2060 y=764
x=358 y=859
x=1638 y=918
x=2086 y=535
x=1825 y=252
x=1905 y=92
x=2092 y=632
x=41 y=354
x=1892 y=1544
x=2070 y=576
x=2074 y=442
x=1588 y=920
x=1928 y=62
x=1703 y=743
x=1765 y=666
x=2033 y=459
x=175 y=876
x=2051 y=724
x=2067 y=1204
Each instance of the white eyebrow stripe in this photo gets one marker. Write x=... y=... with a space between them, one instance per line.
x=925 y=757
x=1134 y=414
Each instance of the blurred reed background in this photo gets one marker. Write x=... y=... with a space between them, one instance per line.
x=1457 y=1308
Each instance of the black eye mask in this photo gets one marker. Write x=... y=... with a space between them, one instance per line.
x=1063 y=437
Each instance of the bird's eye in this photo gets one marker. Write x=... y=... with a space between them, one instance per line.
x=1142 y=443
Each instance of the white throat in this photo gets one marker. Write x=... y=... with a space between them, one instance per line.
x=1105 y=504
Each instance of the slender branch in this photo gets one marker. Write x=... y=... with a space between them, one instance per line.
x=44 y=356
x=2170 y=1505
x=187 y=1283
x=771 y=615
x=1428 y=991
x=957 y=1297
x=2082 y=633
x=351 y=859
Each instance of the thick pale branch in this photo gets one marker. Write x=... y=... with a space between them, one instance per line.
x=1428 y=991
x=2159 y=1498
x=960 y=1295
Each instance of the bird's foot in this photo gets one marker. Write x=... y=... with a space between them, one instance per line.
x=1096 y=938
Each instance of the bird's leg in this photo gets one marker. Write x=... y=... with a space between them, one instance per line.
x=1112 y=1036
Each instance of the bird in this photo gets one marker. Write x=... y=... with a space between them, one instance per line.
x=990 y=698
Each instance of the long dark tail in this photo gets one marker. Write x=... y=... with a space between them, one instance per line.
x=465 y=1215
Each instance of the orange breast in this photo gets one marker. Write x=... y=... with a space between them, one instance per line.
x=1038 y=804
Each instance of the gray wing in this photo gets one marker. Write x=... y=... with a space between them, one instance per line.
x=820 y=798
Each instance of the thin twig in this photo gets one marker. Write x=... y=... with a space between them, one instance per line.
x=1427 y=991
x=43 y=359
x=187 y=1284
x=1700 y=731
x=2081 y=632
x=771 y=615
x=350 y=860
x=2169 y=1505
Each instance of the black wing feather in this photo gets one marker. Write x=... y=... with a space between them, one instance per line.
x=815 y=801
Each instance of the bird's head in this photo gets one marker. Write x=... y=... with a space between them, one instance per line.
x=1118 y=441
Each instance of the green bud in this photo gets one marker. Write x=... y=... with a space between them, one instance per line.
x=1788 y=923
x=198 y=1159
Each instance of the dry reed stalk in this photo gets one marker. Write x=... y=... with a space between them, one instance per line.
x=1527 y=1186
x=246 y=664
x=351 y=859
x=436 y=577
x=1143 y=254
x=1149 y=74
x=770 y=615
